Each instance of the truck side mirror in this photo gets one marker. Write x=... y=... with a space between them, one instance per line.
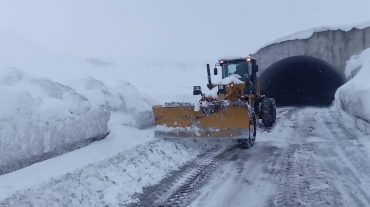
x=197 y=90
x=215 y=71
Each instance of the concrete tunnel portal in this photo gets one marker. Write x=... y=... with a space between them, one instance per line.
x=307 y=70
x=301 y=81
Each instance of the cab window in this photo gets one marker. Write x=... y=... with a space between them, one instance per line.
x=241 y=68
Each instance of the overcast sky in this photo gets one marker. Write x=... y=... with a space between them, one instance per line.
x=170 y=30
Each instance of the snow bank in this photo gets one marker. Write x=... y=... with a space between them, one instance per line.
x=40 y=118
x=68 y=109
x=118 y=97
x=354 y=96
x=114 y=181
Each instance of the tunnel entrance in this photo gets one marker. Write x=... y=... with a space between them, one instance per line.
x=301 y=81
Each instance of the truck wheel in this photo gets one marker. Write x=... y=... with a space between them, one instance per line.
x=267 y=112
x=243 y=143
x=273 y=109
x=252 y=131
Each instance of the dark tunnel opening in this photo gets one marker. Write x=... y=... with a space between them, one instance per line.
x=301 y=81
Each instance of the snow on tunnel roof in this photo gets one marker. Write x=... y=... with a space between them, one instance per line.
x=306 y=34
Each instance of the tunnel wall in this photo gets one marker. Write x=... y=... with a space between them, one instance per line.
x=333 y=46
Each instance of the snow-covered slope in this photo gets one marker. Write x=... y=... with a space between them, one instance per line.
x=53 y=104
x=40 y=118
x=354 y=96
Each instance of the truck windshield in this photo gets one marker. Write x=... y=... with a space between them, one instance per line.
x=236 y=68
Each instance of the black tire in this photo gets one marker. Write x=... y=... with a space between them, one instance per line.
x=273 y=109
x=252 y=131
x=243 y=143
x=267 y=112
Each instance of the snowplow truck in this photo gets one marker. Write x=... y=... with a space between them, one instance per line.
x=231 y=114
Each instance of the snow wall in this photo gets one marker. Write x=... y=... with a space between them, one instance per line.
x=41 y=118
x=354 y=96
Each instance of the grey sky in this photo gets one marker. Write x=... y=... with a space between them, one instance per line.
x=168 y=30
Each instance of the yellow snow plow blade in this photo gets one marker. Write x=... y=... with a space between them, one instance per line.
x=219 y=120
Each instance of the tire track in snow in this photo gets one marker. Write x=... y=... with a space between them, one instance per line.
x=314 y=163
x=324 y=167
x=353 y=170
x=181 y=186
x=301 y=180
x=247 y=178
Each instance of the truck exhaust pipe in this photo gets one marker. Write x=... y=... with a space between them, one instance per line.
x=209 y=85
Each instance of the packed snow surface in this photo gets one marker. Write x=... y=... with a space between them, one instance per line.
x=354 y=96
x=308 y=158
x=115 y=180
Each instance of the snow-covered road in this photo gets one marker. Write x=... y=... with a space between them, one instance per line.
x=310 y=158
